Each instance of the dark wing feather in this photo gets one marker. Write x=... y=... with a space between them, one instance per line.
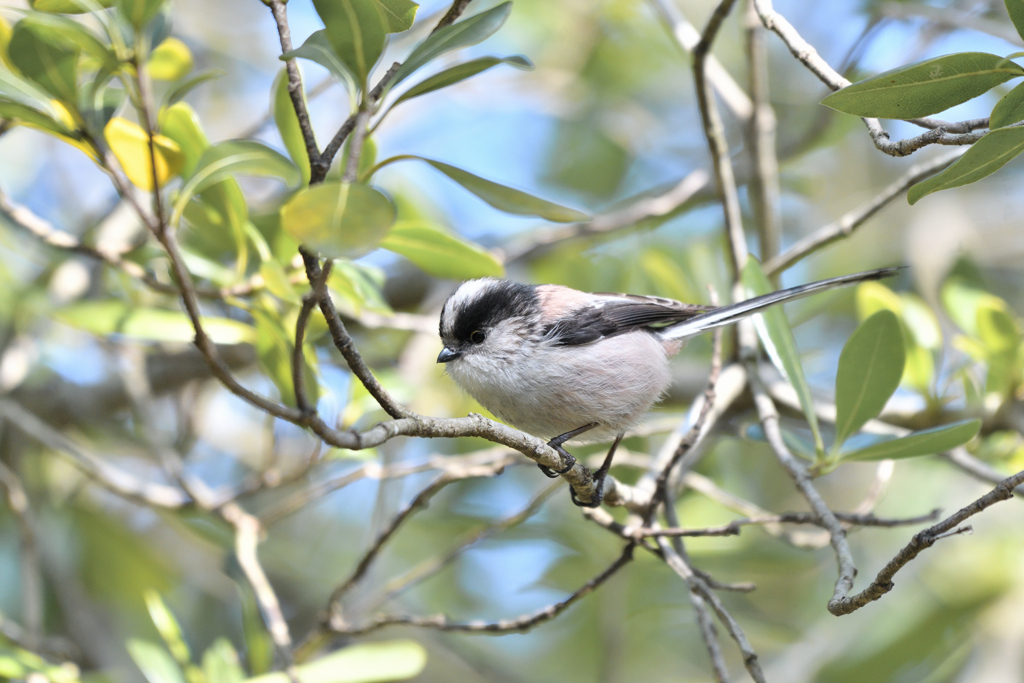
x=617 y=314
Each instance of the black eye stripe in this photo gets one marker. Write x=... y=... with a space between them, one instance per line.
x=498 y=301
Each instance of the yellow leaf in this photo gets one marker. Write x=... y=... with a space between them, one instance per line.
x=130 y=145
x=170 y=60
x=5 y=38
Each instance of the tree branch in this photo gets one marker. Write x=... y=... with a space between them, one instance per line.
x=922 y=541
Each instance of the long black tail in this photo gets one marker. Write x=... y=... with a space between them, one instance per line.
x=727 y=315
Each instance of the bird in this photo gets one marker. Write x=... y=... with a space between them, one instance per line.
x=566 y=365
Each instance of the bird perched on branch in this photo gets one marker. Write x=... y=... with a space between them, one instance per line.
x=567 y=365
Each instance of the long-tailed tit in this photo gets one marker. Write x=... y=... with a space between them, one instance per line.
x=563 y=364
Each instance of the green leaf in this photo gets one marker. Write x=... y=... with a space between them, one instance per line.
x=5 y=39
x=997 y=329
x=68 y=6
x=221 y=664
x=154 y=662
x=139 y=12
x=180 y=123
x=111 y=316
x=69 y=32
x=178 y=92
x=870 y=368
x=461 y=72
x=440 y=253
x=1016 y=10
x=356 y=31
x=338 y=219
x=924 y=88
x=777 y=338
x=961 y=300
x=399 y=15
x=393 y=660
x=25 y=115
x=47 y=58
x=167 y=626
x=358 y=286
x=471 y=31
x=244 y=157
x=505 y=198
x=288 y=125
x=317 y=48
x=274 y=347
x=989 y=154
x=925 y=442
x=169 y=61
x=1009 y=109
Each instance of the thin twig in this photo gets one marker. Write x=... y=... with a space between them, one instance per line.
x=516 y=625
x=316 y=162
x=714 y=133
x=112 y=478
x=920 y=542
x=32 y=604
x=433 y=565
x=734 y=527
x=693 y=436
x=247 y=537
x=806 y=54
x=850 y=221
x=764 y=183
x=837 y=535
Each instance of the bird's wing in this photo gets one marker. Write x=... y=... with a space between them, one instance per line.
x=608 y=315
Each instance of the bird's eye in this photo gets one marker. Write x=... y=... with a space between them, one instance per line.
x=477 y=337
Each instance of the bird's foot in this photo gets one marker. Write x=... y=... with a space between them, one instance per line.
x=556 y=444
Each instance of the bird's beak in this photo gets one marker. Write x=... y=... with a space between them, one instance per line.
x=447 y=355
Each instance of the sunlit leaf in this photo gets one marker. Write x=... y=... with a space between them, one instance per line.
x=242 y=157
x=924 y=442
x=505 y=198
x=921 y=321
x=989 y=154
x=461 y=34
x=356 y=30
x=154 y=662
x=997 y=329
x=461 y=72
x=180 y=123
x=25 y=115
x=167 y=626
x=359 y=287
x=961 y=300
x=221 y=663
x=399 y=15
x=69 y=6
x=777 y=337
x=317 y=48
x=46 y=57
x=392 y=660
x=113 y=317
x=440 y=253
x=338 y=219
x=870 y=368
x=139 y=12
x=170 y=60
x=924 y=88
x=130 y=144
x=288 y=125
x=5 y=39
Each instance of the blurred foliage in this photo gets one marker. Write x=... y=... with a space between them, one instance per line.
x=596 y=114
